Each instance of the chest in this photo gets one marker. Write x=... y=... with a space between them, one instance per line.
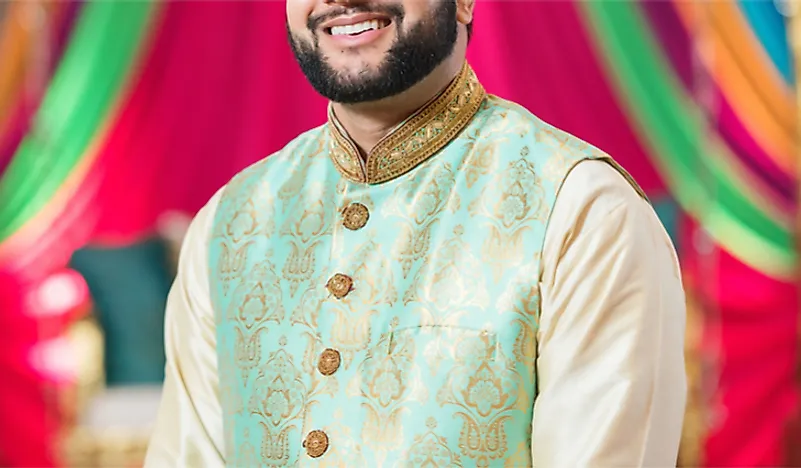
x=384 y=312
x=351 y=263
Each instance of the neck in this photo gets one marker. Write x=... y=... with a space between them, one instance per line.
x=367 y=123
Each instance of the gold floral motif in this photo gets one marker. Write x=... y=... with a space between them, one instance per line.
x=482 y=156
x=385 y=389
x=417 y=139
x=247 y=456
x=299 y=265
x=248 y=350
x=278 y=398
x=345 y=450
x=520 y=458
x=450 y=278
x=480 y=385
x=232 y=264
x=522 y=197
x=419 y=213
x=274 y=449
x=308 y=306
x=243 y=225
x=484 y=391
x=480 y=162
x=482 y=441
x=430 y=450
x=313 y=220
x=416 y=243
x=304 y=229
x=350 y=333
x=298 y=176
x=258 y=298
x=510 y=203
x=238 y=191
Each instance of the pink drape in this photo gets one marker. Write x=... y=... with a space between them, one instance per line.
x=752 y=337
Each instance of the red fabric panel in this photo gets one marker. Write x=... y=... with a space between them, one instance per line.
x=754 y=338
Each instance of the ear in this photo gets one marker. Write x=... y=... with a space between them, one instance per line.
x=464 y=11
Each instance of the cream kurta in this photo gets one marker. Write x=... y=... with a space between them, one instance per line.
x=610 y=343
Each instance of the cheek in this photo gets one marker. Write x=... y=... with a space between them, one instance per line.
x=417 y=10
x=297 y=15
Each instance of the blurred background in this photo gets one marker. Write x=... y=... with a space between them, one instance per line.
x=119 y=119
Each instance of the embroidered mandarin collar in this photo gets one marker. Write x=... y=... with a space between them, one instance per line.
x=415 y=140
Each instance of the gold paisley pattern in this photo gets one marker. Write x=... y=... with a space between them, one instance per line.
x=436 y=335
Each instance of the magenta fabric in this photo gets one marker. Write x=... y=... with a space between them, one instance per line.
x=675 y=42
x=750 y=346
x=14 y=132
x=220 y=91
x=550 y=66
x=772 y=180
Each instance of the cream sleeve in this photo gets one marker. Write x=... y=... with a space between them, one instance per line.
x=189 y=430
x=611 y=374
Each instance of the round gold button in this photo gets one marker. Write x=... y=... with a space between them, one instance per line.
x=316 y=443
x=329 y=361
x=355 y=216
x=340 y=285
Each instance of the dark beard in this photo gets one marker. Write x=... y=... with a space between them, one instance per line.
x=414 y=55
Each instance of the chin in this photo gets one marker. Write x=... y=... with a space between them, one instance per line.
x=357 y=70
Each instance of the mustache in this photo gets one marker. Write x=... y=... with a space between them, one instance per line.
x=392 y=11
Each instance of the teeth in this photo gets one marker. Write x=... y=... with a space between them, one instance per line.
x=357 y=28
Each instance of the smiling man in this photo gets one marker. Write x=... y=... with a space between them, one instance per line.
x=435 y=277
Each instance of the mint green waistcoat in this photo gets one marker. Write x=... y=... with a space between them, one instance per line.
x=422 y=351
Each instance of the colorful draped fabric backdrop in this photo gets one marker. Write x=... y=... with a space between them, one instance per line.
x=113 y=113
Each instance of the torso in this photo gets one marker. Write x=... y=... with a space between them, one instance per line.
x=389 y=324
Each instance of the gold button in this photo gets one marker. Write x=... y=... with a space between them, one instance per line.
x=355 y=216
x=340 y=285
x=316 y=443
x=329 y=361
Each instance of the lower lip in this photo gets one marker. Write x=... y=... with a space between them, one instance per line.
x=346 y=40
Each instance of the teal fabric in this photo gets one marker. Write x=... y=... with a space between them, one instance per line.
x=669 y=214
x=437 y=337
x=129 y=287
x=771 y=28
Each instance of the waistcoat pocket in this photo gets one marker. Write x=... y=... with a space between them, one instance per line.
x=445 y=343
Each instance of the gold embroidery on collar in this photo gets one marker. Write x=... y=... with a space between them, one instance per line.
x=417 y=139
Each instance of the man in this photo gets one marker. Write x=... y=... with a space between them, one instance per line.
x=433 y=278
